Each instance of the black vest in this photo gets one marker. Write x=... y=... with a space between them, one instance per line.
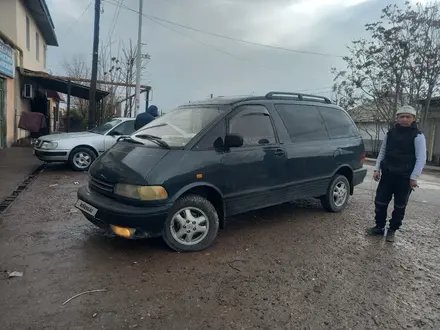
x=400 y=157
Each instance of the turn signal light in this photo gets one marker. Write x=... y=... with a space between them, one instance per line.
x=124 y=232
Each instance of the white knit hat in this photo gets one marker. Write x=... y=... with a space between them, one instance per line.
x=407 y=109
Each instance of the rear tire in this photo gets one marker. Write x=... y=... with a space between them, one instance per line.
x=337 y=195
x=80 y=159
x=192 y=224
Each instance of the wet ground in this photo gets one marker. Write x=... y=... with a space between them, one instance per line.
x=288 y=267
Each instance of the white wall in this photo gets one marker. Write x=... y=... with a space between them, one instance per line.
x=8 y=14
x=29 y=55
x=372 y=134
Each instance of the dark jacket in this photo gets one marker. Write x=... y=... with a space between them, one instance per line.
x=400 y=157
x=145 y=118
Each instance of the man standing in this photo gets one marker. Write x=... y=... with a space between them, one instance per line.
x=145 y=118
x=401 y=160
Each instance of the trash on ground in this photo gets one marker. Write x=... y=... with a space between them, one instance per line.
x=15 y=274
x=85 y=292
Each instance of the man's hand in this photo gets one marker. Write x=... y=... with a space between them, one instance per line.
x=376 y=176
x=413 y=184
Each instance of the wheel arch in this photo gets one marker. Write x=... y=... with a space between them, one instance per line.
x=87 y=146
x=346 y=171
x=208 y=191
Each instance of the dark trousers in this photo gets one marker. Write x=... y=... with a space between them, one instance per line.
x=392 y=184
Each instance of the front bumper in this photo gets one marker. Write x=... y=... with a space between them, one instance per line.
x=51 y=155
x=148 y=221
x=359 y=176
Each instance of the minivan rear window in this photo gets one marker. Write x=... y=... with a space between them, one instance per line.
x=179 y=126
x=303 y=122
x=339 y=125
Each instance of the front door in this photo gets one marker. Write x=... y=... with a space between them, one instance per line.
x=2 y=113
x=255 y=172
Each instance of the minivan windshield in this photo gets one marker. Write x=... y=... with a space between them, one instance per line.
x=177 y=127
x=104 y=128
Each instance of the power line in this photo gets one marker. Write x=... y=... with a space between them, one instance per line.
x=114 y=22
x=78 y=18
x=208 y=45
x=154 y=20
x=323 y=89
x=227 y=37
x=203 y=43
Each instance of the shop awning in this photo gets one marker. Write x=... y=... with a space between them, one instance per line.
x=61 y=85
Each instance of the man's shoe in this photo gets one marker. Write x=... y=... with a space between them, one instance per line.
x=390 y=235
x=375 y=231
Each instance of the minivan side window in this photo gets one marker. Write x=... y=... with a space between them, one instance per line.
x=339 y=125
x=254 y=125
x=303 y=122
x=207 y=141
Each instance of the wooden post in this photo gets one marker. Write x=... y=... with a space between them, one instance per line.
x=69 y=91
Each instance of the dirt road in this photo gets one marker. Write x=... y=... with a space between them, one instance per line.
x=288 y=267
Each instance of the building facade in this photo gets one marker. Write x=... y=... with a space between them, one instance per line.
x=26 y=32
x=373 y=128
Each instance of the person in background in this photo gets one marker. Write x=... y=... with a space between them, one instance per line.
x=401 y=160
x=144 y=118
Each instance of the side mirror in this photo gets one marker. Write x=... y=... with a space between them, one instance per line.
x=233 y=141
x=114 y=133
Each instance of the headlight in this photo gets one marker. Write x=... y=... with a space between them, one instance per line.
x=49 y=145
x=143 y=193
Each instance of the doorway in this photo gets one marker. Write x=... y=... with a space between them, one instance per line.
x=40 y=104
x=2 y=113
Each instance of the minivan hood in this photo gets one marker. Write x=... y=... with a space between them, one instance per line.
x=127 y=162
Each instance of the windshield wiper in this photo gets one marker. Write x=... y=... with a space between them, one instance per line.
x=158 y=125
x=155 y=139
x=128 y=139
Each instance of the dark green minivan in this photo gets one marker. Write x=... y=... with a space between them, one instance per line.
x=182 y=175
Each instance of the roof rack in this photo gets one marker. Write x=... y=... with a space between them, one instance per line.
x=299 y=96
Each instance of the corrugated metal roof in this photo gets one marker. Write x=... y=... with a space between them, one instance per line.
x=368 y=113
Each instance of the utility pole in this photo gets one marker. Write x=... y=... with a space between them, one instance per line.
x=92 y=98
x=127 y=92
x=131 y=80
x=138 y=61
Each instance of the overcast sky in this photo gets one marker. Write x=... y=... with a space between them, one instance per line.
x=187 y=65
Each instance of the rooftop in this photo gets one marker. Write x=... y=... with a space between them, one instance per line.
x=369 y=113
x=40 y=13
x=61 y=85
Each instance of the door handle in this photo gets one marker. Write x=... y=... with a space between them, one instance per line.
x=279 y=152
x=337 y=152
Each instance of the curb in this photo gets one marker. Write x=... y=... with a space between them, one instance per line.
x=429 y=169
x=7 y=202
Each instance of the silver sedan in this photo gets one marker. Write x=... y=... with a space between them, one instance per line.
x=80 y=149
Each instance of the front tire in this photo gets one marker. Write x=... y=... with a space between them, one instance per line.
x=192 y=224
x=80 y=159
x=337 y=195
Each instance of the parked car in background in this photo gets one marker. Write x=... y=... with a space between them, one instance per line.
x=80 y=149
x=182 y=175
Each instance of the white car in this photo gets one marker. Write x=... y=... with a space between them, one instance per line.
x=80 y=149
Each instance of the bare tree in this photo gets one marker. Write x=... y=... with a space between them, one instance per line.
x=129 y=54
x=78 y=67
x=398 y=64
x=119 y=67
